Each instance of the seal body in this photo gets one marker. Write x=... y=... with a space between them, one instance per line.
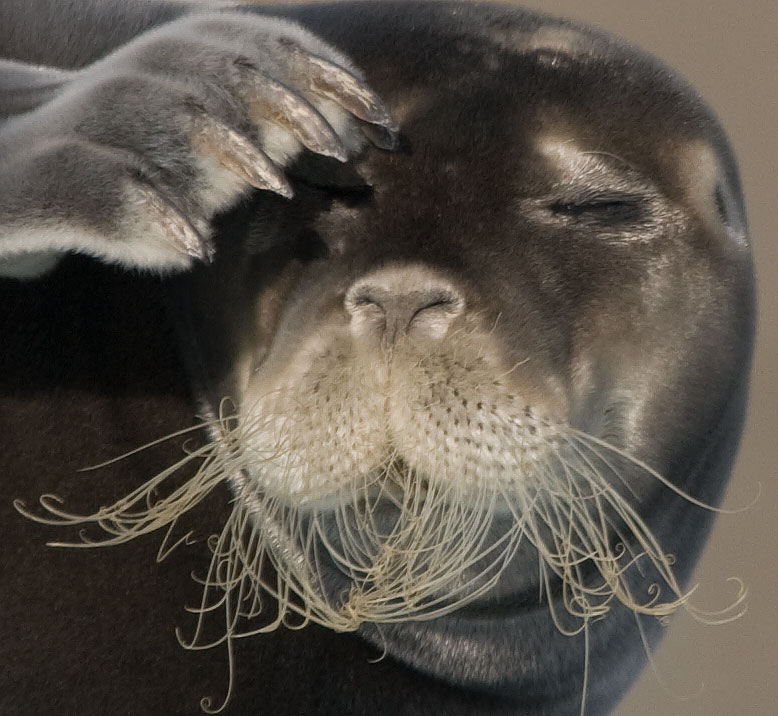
x=481 y=388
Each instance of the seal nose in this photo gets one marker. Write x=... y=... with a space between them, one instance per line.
x=394 y=302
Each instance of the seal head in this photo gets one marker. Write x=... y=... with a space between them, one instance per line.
x=494 y=375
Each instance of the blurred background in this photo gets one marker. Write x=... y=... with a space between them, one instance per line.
x=729 y=51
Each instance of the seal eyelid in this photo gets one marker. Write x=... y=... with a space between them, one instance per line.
x=610 y=208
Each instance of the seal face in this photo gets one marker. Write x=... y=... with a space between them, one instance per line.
x=479 y=387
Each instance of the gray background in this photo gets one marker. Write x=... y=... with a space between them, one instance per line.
x=729 y=51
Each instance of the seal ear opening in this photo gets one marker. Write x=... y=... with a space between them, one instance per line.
x=730 y=212
x=721 y=205
x=729 y=208
x=713 y=189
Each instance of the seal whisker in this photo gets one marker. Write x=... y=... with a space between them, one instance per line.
x=593 y=442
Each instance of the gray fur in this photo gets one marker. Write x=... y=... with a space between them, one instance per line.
x=136 y=128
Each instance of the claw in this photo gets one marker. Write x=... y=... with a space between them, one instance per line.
x=271 y=100
x=381 y=137
x=182 y=234
x=328 y=80
x=240 y=156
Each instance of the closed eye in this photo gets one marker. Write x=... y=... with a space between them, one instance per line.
x=607 y=209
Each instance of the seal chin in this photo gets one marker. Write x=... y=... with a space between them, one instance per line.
x=391 y=545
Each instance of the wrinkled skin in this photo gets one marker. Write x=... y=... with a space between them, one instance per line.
x=554 y=198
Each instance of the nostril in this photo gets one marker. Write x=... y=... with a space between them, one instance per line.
x=393 y=302
x=434 y=314
x=362 y=297
x=415 y=301
x=444 y=300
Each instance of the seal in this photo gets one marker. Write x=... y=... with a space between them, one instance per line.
x=473 y=392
